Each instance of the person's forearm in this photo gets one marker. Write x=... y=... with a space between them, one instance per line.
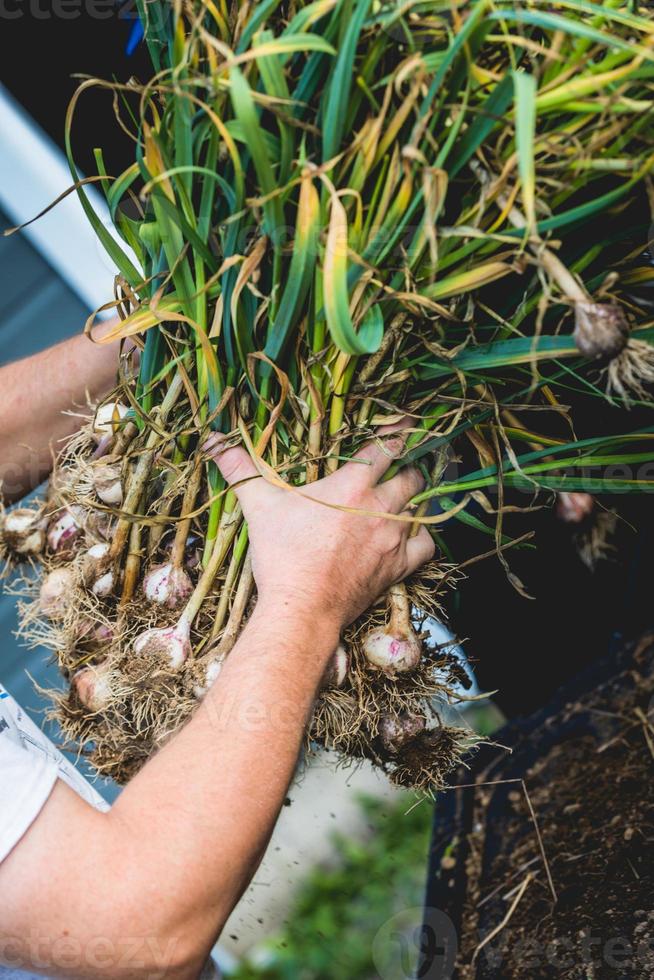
x=214 y=793
x=36 y=392
x=165 y=867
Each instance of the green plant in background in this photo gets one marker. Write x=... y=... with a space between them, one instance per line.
x=340 y=213
x=342 y=905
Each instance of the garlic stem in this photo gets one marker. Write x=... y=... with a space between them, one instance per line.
x=342 y=377
x=156 y=530
x=132 y=564
x=399 y=609
x=549 y=261
x=215 y=514
x=227 y=532
x=314 y=448
x=183 y=528
x=437 y=473
x=142 y=471
x=365 y=411
x=241 y=599
x=123 y=439
x=228 y=586
x=132 y=501
x=373 y=362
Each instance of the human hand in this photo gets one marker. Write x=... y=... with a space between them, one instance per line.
x=318 y=559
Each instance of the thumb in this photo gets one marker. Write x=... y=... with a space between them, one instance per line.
x=234 y=463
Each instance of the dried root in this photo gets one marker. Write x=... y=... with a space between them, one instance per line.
x=437 y=751
x=593 y=527
x=602 y=333
x=384 y=715
x=593 y=541
x=631 y=371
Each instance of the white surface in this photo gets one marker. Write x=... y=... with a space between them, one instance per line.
x=325 y=799
x=33 y=173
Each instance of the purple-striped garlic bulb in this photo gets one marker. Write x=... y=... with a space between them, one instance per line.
x=573 y=508
x=94 y=688
x=172 y=644
x=167 y=585
x=64 y=531
x=396 y=731
x=396 y=647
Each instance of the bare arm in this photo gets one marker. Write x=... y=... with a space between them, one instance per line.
x=159 y=874
x=35 y=393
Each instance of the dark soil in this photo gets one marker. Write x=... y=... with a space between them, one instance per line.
x=588 y=773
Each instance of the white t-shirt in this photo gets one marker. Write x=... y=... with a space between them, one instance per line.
x=29 y=767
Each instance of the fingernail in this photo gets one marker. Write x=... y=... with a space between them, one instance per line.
x=395 y=444
x=214 y=443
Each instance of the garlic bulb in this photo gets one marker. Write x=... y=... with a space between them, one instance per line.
x=23 y=531
x=170 y=643
x=95 y=571
x=94 y=560
x=93 y=633
x=56 y=594
x=395 y=731
x=107 y=418
x=393 y=653
x=394 y=648
x=104 y=586
x=167 y=586
x=601 y=329
x=573 y=508
x=337 y=669
x=64 y=531
x=107 y=483
x=93 y=687
x=211 y=673
x=103 y=633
